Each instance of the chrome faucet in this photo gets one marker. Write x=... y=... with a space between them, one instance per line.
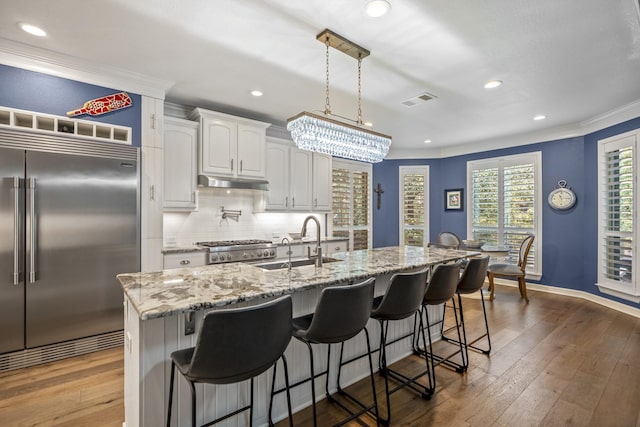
x=303 y=232
x=288 y=252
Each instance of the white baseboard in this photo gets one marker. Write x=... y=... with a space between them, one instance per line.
x=623 y=308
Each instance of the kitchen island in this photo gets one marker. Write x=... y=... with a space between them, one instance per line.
x=163 y=311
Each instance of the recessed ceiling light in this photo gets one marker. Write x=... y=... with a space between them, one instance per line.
x=377 y=8
x=540 y=117
x=492 y=84
x=32 y=29
x=256 y=93
x=427 y=141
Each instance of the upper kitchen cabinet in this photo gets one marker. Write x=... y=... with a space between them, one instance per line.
x=322 y=165
x=299 y=180
x=180 y=158
x=230 y=145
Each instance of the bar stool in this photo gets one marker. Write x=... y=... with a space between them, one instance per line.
x=470 y=282
x=440 y=289
x=235 y=345
x=341 y=313
x=401 y=300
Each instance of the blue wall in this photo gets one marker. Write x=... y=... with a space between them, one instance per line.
x=42 y=93
x=569 y=238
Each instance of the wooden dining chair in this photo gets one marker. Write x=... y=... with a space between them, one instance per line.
x=513 y=270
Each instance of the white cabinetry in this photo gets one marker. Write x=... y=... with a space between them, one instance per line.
x=299 y=180
x=185 y=260
x=180 y=152
x=229 y=145
x=321 y=182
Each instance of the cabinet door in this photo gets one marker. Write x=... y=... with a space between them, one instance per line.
x=321 y=182
x=180 y=145
x=219 y=146
x=277 y=157
x=300 y=165
x=251 y=147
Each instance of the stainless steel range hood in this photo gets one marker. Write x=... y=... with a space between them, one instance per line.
x=232 y=183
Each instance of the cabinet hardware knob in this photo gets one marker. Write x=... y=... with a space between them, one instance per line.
x=185 y=262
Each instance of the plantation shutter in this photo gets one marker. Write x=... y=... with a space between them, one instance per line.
x=504 y=201
x=351 y=198
x=412 y=206
x=618 y=206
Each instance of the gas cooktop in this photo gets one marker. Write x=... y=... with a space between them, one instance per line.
x=238 y=250
x=218 y=243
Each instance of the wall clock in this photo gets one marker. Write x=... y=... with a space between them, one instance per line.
x=562 y=198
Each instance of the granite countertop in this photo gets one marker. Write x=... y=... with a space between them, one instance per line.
x=168 y=292
x=308 y=241
x=183 y=249
x=196 y=248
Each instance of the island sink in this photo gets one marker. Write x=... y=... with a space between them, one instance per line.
x=277 y=265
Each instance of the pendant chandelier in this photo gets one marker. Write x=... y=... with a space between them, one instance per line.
x=324 y=133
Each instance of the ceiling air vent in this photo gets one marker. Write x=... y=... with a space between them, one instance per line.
x=416 y=100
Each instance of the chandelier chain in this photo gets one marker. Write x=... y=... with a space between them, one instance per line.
x=327 y=104
x=359 y=90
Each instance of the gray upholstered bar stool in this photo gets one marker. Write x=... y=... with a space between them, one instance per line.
x=401 y=300
x=235 y=345
x=470 y=282
x=440 y=289
x=341 y=313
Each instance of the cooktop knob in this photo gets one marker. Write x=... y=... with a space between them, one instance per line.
x=214 y=258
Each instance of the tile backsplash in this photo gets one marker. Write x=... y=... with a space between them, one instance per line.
x=185 y=228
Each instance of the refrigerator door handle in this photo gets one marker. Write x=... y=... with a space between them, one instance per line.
x=31 y=189
x=16 y=230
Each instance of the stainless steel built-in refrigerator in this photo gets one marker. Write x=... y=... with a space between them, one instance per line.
x=68 y=225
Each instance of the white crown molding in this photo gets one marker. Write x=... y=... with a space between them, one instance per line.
x=602 y=121
x=44 y=61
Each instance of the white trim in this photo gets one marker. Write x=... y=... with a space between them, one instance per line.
x=459 y=148
x=536 y=158
x=617 y=293
x=354 y=165
x=415 y=169
x=614 y=305
x=44 y=61
x=630 y=291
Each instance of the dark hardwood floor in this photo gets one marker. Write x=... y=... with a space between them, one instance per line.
x=558 y=361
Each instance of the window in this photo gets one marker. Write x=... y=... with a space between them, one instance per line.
x=351 y=193
x=414 y=218
x=616 y=217
x=505 y=204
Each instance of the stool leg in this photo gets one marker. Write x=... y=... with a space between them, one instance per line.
x=287 y=389
x=486 y=325
x=326 y=379
x=273 y=389
x=431 y=372
x=313 y=384
x=463 y=343
x=286 y=383
x=251 y=403
x=373 y=382
x=173 y=373
x=193 y=404
x=384 y=327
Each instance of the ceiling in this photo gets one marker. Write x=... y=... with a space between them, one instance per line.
x=574 y=61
